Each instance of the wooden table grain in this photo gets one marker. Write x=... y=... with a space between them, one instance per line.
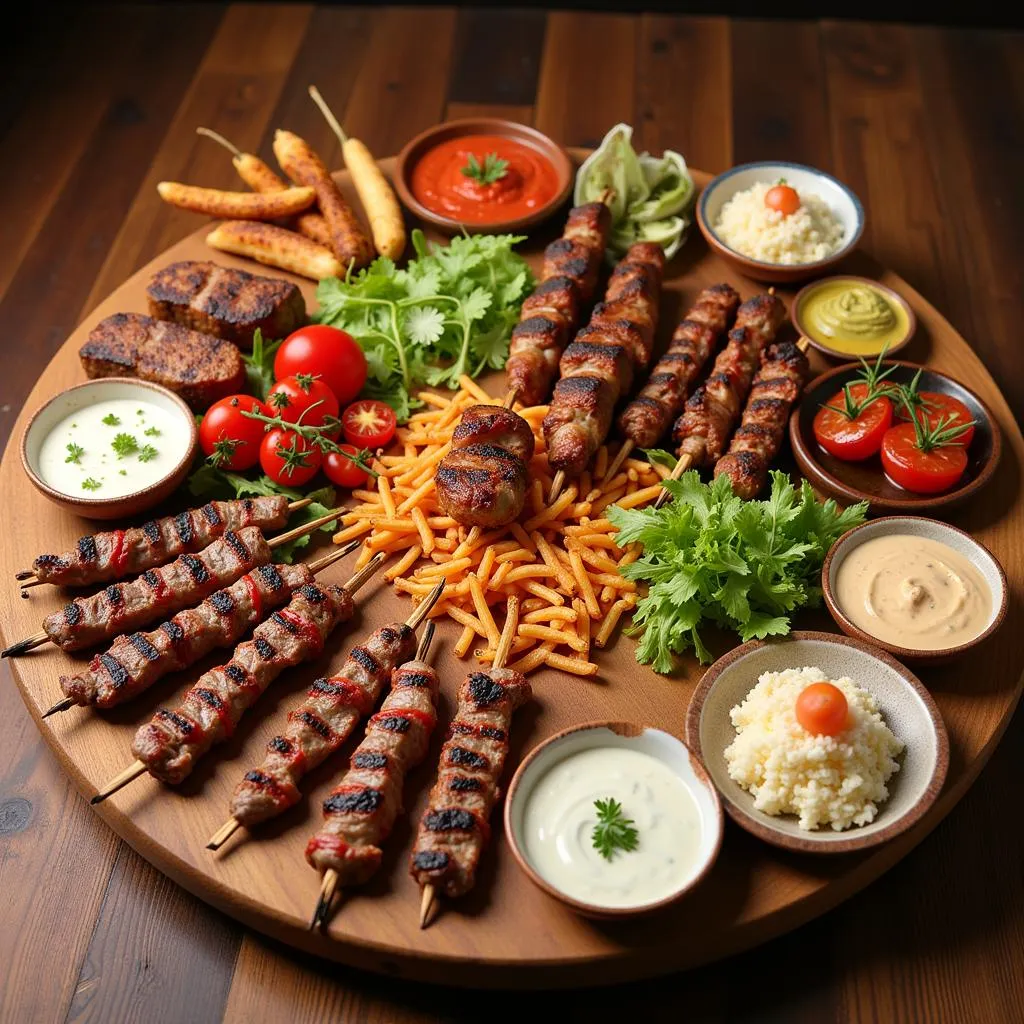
x=98 y=104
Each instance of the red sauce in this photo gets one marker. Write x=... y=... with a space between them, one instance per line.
x=439 y=184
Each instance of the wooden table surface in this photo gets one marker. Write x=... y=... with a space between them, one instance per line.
x=97 y=105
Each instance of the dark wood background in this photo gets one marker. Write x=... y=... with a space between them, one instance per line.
x=99 y=103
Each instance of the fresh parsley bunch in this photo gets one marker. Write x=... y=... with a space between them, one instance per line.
x=710 y=556
x=449 y=312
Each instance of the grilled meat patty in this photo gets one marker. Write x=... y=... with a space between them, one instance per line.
x=481 y=485
x=114 y=554
x=321 y=724
x=200 y=368
x=224 y=302
x=495 y=425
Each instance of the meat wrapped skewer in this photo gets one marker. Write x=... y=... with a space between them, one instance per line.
x=777 y=386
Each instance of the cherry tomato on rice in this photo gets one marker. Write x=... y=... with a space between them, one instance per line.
x=782 y=197
x=822 y=709
x=853 y=438
x=288 y=458
x=343 y=471
x=327 y=352
x=935 y=407
x=924 y=472
x=303 y=399
x=368 y=423
x=229 y=439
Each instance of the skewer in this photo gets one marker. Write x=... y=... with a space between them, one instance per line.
x=329 y=882
x=29 y=574
x=314 y=567
x=138 y=768
x=429 y=900
x=40 y=638
x=620 y=457
x=556 y=486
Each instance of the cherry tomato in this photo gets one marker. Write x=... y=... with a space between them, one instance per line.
x=368 y=424
x=303 y=399
x=924 y=472
x=343 y=471
x=936 y=406
x=822 y=710
x=332 y=355
x=782 y=197
x=288 y=458
x=853 y=439
x=229 y=439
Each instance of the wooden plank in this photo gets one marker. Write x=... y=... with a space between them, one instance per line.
x=524 y=115
x=684 y=90
x=587 y=76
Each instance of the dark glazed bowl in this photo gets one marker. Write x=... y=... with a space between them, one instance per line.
x=415 y=149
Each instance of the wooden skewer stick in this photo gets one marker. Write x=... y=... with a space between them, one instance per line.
x=620 y=457
x=510 y=398
x=429 y=899
x=556 y=486
x=329 y=882
x=218 y=138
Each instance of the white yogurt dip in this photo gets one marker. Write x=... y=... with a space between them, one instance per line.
x=560 y=815
x=112 y=448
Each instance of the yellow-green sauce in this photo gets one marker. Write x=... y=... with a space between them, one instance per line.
x=853 y=317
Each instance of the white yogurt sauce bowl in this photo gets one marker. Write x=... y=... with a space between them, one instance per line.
x=139 y=406
x=663 y=789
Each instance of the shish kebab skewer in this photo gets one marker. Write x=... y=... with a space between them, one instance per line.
x=137 y=661
x=115 y=554
x=454 y=829
x=169 y=746
x=323 y=722
x=123 y=607
x=362 y=809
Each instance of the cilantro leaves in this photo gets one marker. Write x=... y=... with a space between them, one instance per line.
x=711 y=557
x=449 y=312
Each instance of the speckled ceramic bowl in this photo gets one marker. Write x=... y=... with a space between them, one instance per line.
x=906 y=706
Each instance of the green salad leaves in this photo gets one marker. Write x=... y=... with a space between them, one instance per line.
x=450 y=312
x=711 y=557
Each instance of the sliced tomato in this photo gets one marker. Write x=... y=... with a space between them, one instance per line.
x=341 y=470
x=935 y=407
x=303 y=398
x=369 y=423
x=923 y=472
x=288 y=458
x=857 y=438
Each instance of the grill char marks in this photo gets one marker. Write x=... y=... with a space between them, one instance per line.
x=482 y=485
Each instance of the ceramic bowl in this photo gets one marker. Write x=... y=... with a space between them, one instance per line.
x=654 y=742
x=906 y=706
x=866 y=481
x=844 y=204
x=821 y=343
x=521 y=133
x=103 y=389
x=901 y=526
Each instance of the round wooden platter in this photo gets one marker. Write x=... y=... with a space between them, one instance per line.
x=505 y=932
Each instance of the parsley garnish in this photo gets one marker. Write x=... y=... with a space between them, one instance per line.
x=124 y=444
x=487 y=173
x=75 y=452
x=91 y=484
x=152 y=431
x=613 y=831
x=147 y=453
x=111 y=420
x=123 y=472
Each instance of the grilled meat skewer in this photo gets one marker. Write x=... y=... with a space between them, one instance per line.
x=114 y=554
x=777 y=386
x=362 y=809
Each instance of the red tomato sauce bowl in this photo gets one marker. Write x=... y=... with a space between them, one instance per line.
x=534 y=182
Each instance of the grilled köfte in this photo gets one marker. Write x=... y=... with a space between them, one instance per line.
x=173 y=741
x=322 y=723
x=123 y=607
x=136 y=661
x=199 y=367
x=711 y=412
x=551 y=315
x=114 y=554
x=227 y=303
x=361 y=810
x=494 y=424
x=776 y=388
x=598 y=367
x=455 y=826
x=647 y=418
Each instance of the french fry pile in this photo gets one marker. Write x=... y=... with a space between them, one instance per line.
x=561 y=561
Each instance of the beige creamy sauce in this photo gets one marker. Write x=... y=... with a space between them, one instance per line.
x=560 y=816
x=914 y=592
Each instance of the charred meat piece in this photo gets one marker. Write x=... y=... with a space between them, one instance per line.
x=321 y=724
x=114 y=554
x=495 y=425
x=200 y=368
x=481 y=485
x=580 y=416
x=224 y=302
